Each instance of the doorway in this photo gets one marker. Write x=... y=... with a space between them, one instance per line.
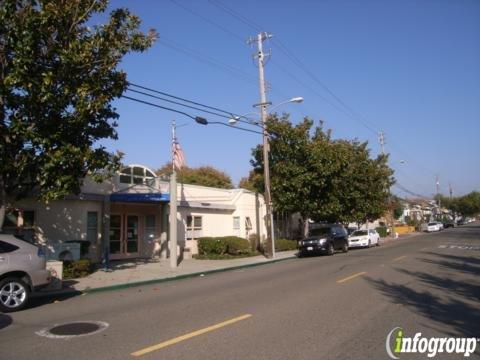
x=124 y=235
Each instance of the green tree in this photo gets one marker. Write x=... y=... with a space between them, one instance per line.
x=203 y=175
x=322 y=178
x=58 y=78
x=254 y=182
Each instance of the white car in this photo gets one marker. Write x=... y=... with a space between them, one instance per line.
x=433 y=226
x=363 y=238
x=22 y=271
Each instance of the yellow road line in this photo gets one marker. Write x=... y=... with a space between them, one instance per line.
x=189 y=335
x=351 y=277
x=400 y=258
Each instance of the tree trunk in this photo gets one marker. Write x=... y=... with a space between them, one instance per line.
x=305 y=226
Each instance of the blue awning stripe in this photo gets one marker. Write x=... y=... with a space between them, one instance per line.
x=149 y=197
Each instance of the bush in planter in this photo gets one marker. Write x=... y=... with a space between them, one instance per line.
x=237 y=245
x=382 y=231
x=211 y=245
x=285 y=245
x=77 y=269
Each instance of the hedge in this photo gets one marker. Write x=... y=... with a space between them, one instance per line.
x=232 y=245
x=77 y=269
x=285 y=244
x=382 y=231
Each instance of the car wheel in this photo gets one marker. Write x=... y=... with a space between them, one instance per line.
x=369 y=243
x=377 y=243
x=345 y=247
x=330 y=249
x=299 y=254
x=14 y=294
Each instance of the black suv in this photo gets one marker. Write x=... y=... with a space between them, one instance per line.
x=325 y=239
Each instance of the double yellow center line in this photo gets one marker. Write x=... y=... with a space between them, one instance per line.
x=189 y=336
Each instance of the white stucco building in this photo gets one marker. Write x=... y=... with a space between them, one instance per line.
x=127 y=217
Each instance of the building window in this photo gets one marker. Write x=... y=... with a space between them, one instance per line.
x=248 y=223
x=236 y=223
x=136 y=175
x=92 y=227
x=194 y=227
x=19 y=218
x=28 y=218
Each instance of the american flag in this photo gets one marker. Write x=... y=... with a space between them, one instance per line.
x=177 y=155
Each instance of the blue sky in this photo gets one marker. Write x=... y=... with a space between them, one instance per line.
x=408 y=68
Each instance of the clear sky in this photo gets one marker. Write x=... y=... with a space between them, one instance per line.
x=408 y=68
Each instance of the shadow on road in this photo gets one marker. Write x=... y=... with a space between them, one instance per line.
x=5 y=321
x=447 y=300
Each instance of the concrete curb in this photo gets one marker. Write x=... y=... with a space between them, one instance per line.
x=75 y=292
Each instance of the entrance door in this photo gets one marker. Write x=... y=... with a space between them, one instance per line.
x=124 y=235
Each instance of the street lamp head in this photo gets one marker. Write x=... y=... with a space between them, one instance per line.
x=233 y=120
x=297 y=99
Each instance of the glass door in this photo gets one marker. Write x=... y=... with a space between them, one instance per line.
x=131 y=235
x=115 y=234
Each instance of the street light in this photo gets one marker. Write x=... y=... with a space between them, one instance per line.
x=235 y=119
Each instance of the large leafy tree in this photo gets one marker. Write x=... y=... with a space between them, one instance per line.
x=203 y=175
x=321 y=178
x=58 y=78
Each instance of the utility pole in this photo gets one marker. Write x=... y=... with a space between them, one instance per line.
x=450 y=190
x=261 y=57
x=381 y=138
x=173 y=205
x=437 y=188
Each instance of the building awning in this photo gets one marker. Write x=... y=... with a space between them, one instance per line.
x=140 y=197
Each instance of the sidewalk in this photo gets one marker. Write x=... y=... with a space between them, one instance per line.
x=142 y=272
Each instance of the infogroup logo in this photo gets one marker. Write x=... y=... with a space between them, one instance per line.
x=397 y=343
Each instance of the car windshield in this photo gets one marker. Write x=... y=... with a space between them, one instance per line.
x=360 y=233
x=319 y=232
x=432 y=224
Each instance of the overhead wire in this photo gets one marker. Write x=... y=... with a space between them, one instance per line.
x=227 y=114
x=349 y=111
x=188 y=115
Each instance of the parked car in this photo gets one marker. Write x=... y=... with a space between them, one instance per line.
x=448 y=224
x=460 y=222
x=22 y=271
x=364 y=238
x=433 y=226
x=325 y=239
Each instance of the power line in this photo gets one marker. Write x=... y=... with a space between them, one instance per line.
x=229 y=113
x=178 y=103
x=208 y=59
x=196 y=118
x=235 y=14
x=224 y=29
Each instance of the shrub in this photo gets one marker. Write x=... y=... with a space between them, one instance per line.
x=382 y=231
x=237 y=245
x=285 y=244
x=77 y=269
x=211 y=245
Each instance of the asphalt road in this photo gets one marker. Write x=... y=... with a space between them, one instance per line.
x=338 y=307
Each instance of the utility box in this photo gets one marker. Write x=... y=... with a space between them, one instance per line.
x=63 y=251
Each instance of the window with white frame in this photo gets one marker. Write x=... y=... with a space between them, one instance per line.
x=194 y=227
x=248 y=223
x=236 y=223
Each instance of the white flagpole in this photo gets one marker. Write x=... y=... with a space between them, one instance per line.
x=173 y=206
